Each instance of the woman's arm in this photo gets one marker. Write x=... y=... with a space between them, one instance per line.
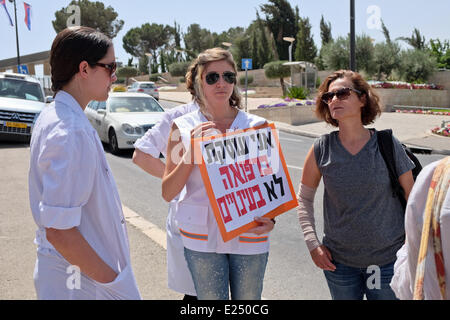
x=310 y=181
x=149 y=164
x=180 y=162
x=406 y=180
x=76 y=250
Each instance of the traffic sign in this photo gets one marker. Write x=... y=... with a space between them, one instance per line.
x=23 y=69
x=247 y=64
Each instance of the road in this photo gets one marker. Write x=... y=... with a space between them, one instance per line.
x=289 y=258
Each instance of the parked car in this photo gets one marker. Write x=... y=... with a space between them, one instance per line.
x=123 y=118
x=21 y=102
x=145 y=87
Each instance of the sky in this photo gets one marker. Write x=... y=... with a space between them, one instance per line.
x=432 y=18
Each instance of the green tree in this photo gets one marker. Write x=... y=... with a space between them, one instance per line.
x=336 y=54
x=197 y=39
x=127 y=72
x=306 y=49
x=416 y=65
x=276 y=70
x=148 y=38
x=281 y=21
x=325 y=31
x=94 y=15
x=417 y=40
x=441 y=52
x=264 y=52
x=386 y=59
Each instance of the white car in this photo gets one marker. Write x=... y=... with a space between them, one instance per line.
x=123 y=118
x=147 y=87
x=21 y=102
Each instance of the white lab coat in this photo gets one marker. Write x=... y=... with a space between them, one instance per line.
x=71 y=185
x=153 y=143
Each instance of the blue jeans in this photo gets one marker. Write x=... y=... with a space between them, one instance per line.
x=349 y=283
x=214 y=273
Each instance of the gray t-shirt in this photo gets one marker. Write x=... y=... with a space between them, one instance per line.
x=363 y=222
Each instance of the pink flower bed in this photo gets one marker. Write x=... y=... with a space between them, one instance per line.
x=443 y=131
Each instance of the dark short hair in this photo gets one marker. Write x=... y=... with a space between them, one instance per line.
x=369 y=112
x=71 y=47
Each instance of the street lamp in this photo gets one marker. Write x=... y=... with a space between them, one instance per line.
x=227 y=44
x=291 y=40
x=352 y=36
x=17 y=34
x=149 y=55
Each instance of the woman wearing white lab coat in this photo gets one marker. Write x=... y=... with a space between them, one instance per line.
x=83 y=250
x=216 y=266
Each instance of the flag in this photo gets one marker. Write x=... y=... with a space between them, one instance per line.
x=27 y=15
x=2 y=2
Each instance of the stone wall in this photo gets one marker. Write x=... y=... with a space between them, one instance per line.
x=407 y=97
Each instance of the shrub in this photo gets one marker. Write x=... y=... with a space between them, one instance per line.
x=242 y=80
x=416 y=66
x=154 y=77
x=297 y=93
x=179 y=69
x=276 y=69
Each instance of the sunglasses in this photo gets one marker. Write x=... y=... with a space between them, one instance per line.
x=212 y=77
x=341 y=94
x=112 y=67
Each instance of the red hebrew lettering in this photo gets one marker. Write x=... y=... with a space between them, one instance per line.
x=251 y=199
x=224 y=171
x=261 y=202
x=247 y=167
x=268 y=170
x=241 y=195
x=235 y=169
x=225 y=215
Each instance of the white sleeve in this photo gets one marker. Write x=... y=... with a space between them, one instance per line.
x=155 y=139
x=68 y=165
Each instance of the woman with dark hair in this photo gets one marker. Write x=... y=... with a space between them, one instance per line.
x=363 y=222
x=83 y=250
x=217 y=267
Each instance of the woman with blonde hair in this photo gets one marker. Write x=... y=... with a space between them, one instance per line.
x=363 y=222
x=216 y=266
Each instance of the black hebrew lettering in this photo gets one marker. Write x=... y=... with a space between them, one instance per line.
x=271 y=189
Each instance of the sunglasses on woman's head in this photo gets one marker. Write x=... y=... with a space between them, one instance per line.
x=212 y=77
x=341 y=94
x=111 y=67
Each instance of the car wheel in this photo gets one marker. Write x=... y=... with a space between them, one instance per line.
x=113 y=143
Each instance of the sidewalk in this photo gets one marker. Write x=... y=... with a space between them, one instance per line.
x=414 y=130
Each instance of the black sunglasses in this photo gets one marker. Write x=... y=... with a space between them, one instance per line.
x=212 y=77
x=341 y=94
x=112 y=67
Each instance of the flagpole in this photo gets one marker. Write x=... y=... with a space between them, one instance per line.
x=17 y=35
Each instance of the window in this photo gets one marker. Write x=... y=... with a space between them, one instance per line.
x=19 y=89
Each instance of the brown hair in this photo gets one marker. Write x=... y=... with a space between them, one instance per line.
x=195 y=71
x=71 y=47
x=369 y=112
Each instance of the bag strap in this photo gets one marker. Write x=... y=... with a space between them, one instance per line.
x=386 y=146
x=436 y=195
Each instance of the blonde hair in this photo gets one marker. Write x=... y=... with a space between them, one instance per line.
x=195 y=72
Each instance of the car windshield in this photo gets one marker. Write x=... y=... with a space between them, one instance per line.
x=147 y=86
x=134 y=104
x=19 y=89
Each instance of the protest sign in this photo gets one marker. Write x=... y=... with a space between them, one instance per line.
x=245 y=176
